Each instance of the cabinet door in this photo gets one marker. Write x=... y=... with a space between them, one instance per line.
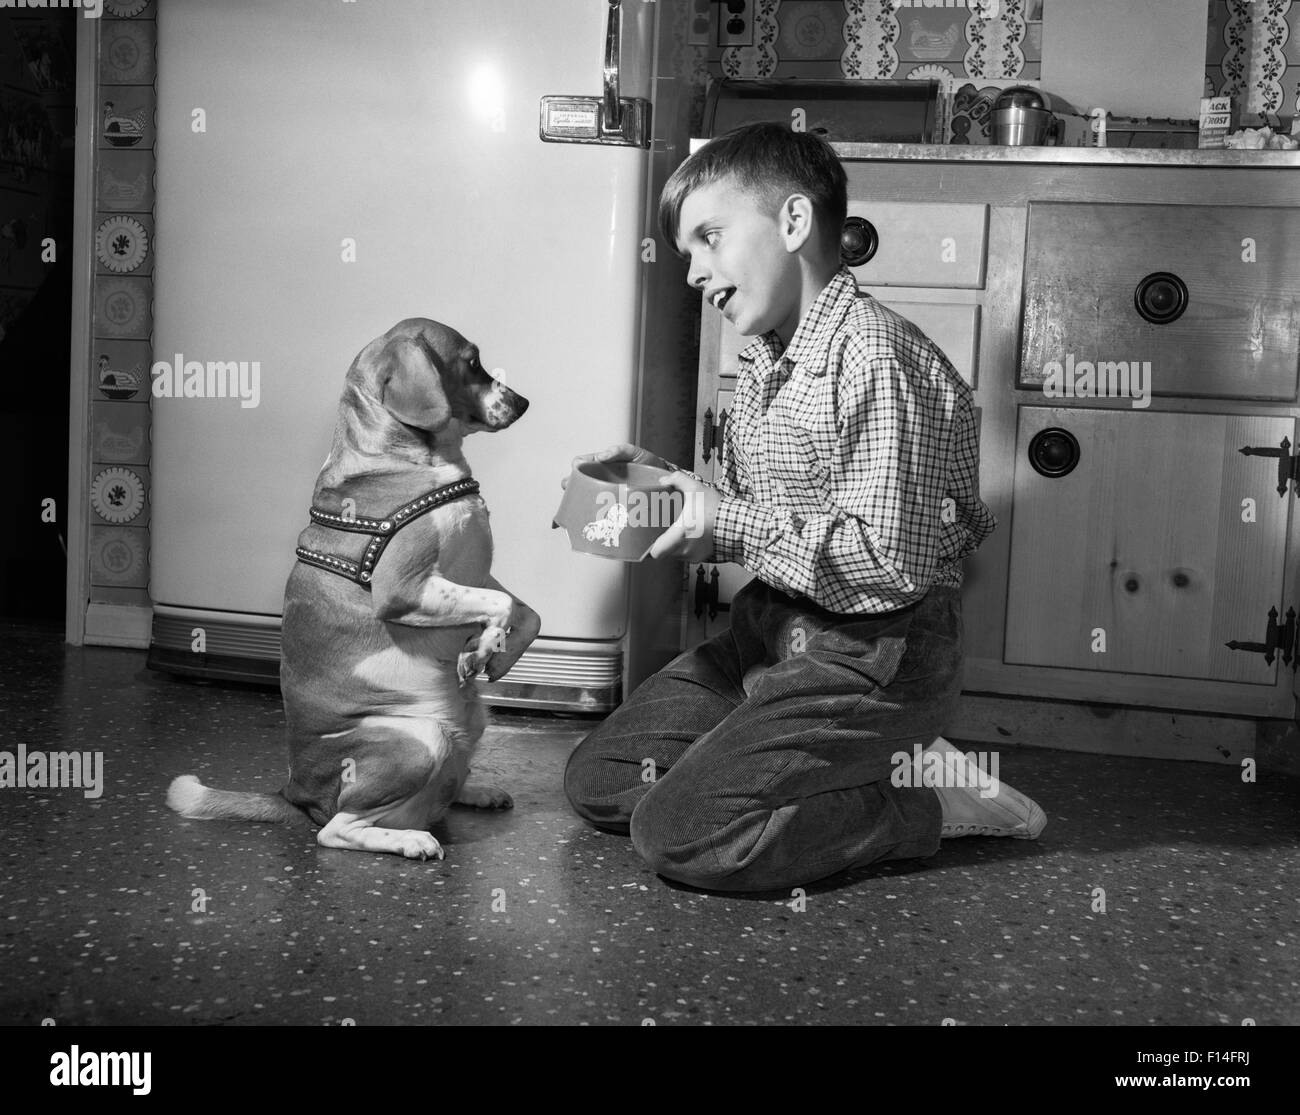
x=1164 y=543
x=704 y=619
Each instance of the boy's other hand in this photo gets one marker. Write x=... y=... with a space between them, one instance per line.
x=623 y=452
x=690 y=538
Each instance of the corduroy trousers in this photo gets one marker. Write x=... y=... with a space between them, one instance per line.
x=766 y=782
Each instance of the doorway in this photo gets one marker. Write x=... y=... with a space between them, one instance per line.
x=37 y=124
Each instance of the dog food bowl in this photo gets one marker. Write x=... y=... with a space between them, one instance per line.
x=616 y=509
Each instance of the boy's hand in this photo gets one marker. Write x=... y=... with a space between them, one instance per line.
x=690 y=538
x=624 y=452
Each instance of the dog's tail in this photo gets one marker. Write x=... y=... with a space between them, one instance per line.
x=190 y=798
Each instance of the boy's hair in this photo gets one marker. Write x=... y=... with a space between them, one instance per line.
x=769 y=162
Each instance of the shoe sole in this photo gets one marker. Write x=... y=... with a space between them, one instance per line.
x=1030 y=830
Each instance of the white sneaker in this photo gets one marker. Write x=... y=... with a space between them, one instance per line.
x=1007 y=812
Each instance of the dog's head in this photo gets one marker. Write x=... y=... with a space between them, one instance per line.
x=428 y=376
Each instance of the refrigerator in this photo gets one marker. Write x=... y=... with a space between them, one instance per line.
x=326 y=170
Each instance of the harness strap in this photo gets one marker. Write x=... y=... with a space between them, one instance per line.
x=380 y=530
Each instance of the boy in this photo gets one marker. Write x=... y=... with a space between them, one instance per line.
x=772 y=746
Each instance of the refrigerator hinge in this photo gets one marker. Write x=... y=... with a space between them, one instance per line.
x=1283 y=638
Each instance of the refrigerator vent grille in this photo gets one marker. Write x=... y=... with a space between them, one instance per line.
x=540 y=665
x=234 y=639
x=559 y=668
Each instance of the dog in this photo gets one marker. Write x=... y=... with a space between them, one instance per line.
x=391 y=609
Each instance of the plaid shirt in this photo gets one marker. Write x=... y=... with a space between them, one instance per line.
x=839 y=456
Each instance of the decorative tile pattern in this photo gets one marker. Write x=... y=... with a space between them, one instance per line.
x=119 y=434
x=122 y=309
x=125 y=181
x=126 y=52
x=811 y=30
x=122 y=245
x=994 y=45
x=121 y=370
x=1236 y=30
x=119 y=557
x=1269 y=33
x=122 y=305
x=870 y=35
x=1252 y=47
x=127 y=117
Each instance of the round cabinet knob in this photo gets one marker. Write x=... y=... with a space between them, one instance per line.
x=858 y=241
x=1054 y=452
x=1161 y=297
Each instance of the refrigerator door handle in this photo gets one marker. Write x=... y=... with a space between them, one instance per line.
x=608 y=119
x=613 y=115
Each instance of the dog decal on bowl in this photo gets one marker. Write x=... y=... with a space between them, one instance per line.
x=608 y=527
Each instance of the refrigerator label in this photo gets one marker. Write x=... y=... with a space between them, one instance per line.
x=572 y=119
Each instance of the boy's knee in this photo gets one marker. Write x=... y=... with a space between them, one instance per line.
x=674 y=848
x=586 y=785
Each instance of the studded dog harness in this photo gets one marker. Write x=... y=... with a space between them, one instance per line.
x=381 y=531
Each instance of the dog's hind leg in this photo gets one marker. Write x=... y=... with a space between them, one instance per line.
x=347 y=830
x=401 y=775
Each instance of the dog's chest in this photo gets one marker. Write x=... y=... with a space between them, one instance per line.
x=461 y=538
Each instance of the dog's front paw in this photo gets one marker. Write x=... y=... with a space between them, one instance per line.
x=524 y=628
x=419 y=845
x=479 y=651
x=484 y=797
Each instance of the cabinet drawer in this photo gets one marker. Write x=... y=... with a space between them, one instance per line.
x=932 y=244
x=1237 y=334
x=954 y=328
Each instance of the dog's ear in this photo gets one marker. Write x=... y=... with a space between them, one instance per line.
x=410 y=385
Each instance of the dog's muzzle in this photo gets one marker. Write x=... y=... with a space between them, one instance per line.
x=501 y=406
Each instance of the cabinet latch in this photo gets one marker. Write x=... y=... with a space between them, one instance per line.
x=1276 y=638
x=1288 y=467
x=712 y=433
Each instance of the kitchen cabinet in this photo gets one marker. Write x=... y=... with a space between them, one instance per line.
x=1130 y=324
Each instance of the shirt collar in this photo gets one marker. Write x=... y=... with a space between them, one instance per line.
x=815 y=331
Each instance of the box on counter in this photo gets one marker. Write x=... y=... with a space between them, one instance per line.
x=1216 y=121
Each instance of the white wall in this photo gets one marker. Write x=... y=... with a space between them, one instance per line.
x=1133 y=57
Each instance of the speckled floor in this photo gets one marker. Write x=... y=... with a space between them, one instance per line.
x=116 y=911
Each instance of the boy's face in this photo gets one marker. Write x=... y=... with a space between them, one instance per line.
x=742 y=257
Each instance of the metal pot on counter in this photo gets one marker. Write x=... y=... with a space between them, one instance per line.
x=1022 y=117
